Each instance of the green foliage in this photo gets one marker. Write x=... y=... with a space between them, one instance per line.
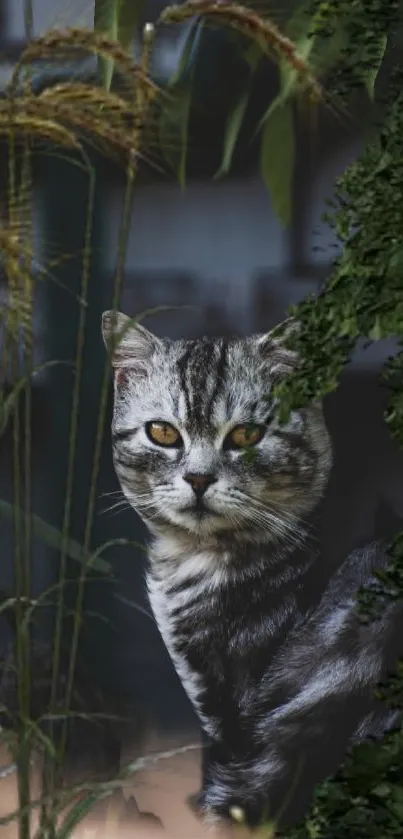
x=364 y=799
x=363 y=298
x=367 y=26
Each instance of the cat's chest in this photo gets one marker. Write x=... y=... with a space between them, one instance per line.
x=187 y=605
x=221 y=634
x=181 y=607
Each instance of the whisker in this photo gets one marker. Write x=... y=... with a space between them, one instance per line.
x=275 y=520
x=119 y=506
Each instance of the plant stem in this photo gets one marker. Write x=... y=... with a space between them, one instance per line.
x=141 y=107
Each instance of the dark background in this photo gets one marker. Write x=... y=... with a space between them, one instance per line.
x=219 y=247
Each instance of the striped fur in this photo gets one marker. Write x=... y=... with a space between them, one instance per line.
x=274 y=677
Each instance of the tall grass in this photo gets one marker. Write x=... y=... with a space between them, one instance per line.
x=69 y=115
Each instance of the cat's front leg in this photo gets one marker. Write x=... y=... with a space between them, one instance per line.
x=300 y=745
x=230 y=786
x=237 y=791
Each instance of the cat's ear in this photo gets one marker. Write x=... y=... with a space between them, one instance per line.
x=130 y=344
x=273 y=348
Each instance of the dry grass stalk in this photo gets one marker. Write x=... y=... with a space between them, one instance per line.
x=68 y=112
x=16 y=313
x=29 y=125
x=263 y=31
x=64 y=123
x=65 y=115
x=59 y=41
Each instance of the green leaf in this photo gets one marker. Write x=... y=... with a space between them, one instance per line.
x=175 y=113
x=119 y=19
x=277 y=151
x=180 y=71
x=232 y=130
x=236 y=116
x=53 y=538
x=298 y=29
x=130 y=16
x=289 y=80
x=376 y=332
x=371 y=76
x=173 y=132
x=106 y=16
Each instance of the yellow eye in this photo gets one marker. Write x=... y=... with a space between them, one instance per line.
x=243 y=436
x=163 y=434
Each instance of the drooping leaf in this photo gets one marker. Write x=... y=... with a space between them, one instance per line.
x=322 y=53
x=120 y=20
x=372 y=74
x=106 y=17
x=233 y=127
x=277 y=151
x=173 y=131
x=289 y=80
x=236 y=115
x=326 y=47
x=188 y=55
x=174 y=118
x=53 y=538
x=376 y=333
x=175 y=112
x=129 y=19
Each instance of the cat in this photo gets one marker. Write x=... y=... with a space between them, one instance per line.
x=281 y=679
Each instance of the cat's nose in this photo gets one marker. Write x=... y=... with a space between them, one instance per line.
x=199 y=483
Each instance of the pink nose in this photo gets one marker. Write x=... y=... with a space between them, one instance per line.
x=199 y=483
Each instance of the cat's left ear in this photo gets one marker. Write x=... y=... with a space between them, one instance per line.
x=130 y=344
x=273 y=348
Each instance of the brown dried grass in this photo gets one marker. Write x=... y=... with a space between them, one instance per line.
x=65 y=114
x=69 y=116
x=263 y=31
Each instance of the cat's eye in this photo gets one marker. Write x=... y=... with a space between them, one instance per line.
x=163 y=434
x=244 y=436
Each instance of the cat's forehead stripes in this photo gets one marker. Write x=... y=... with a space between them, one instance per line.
x=202 y=368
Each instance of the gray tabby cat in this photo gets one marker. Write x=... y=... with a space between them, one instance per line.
x=281 y=673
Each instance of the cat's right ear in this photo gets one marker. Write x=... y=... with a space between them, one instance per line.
x=130 y=344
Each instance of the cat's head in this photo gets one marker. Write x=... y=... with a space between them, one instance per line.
x=196 y=443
